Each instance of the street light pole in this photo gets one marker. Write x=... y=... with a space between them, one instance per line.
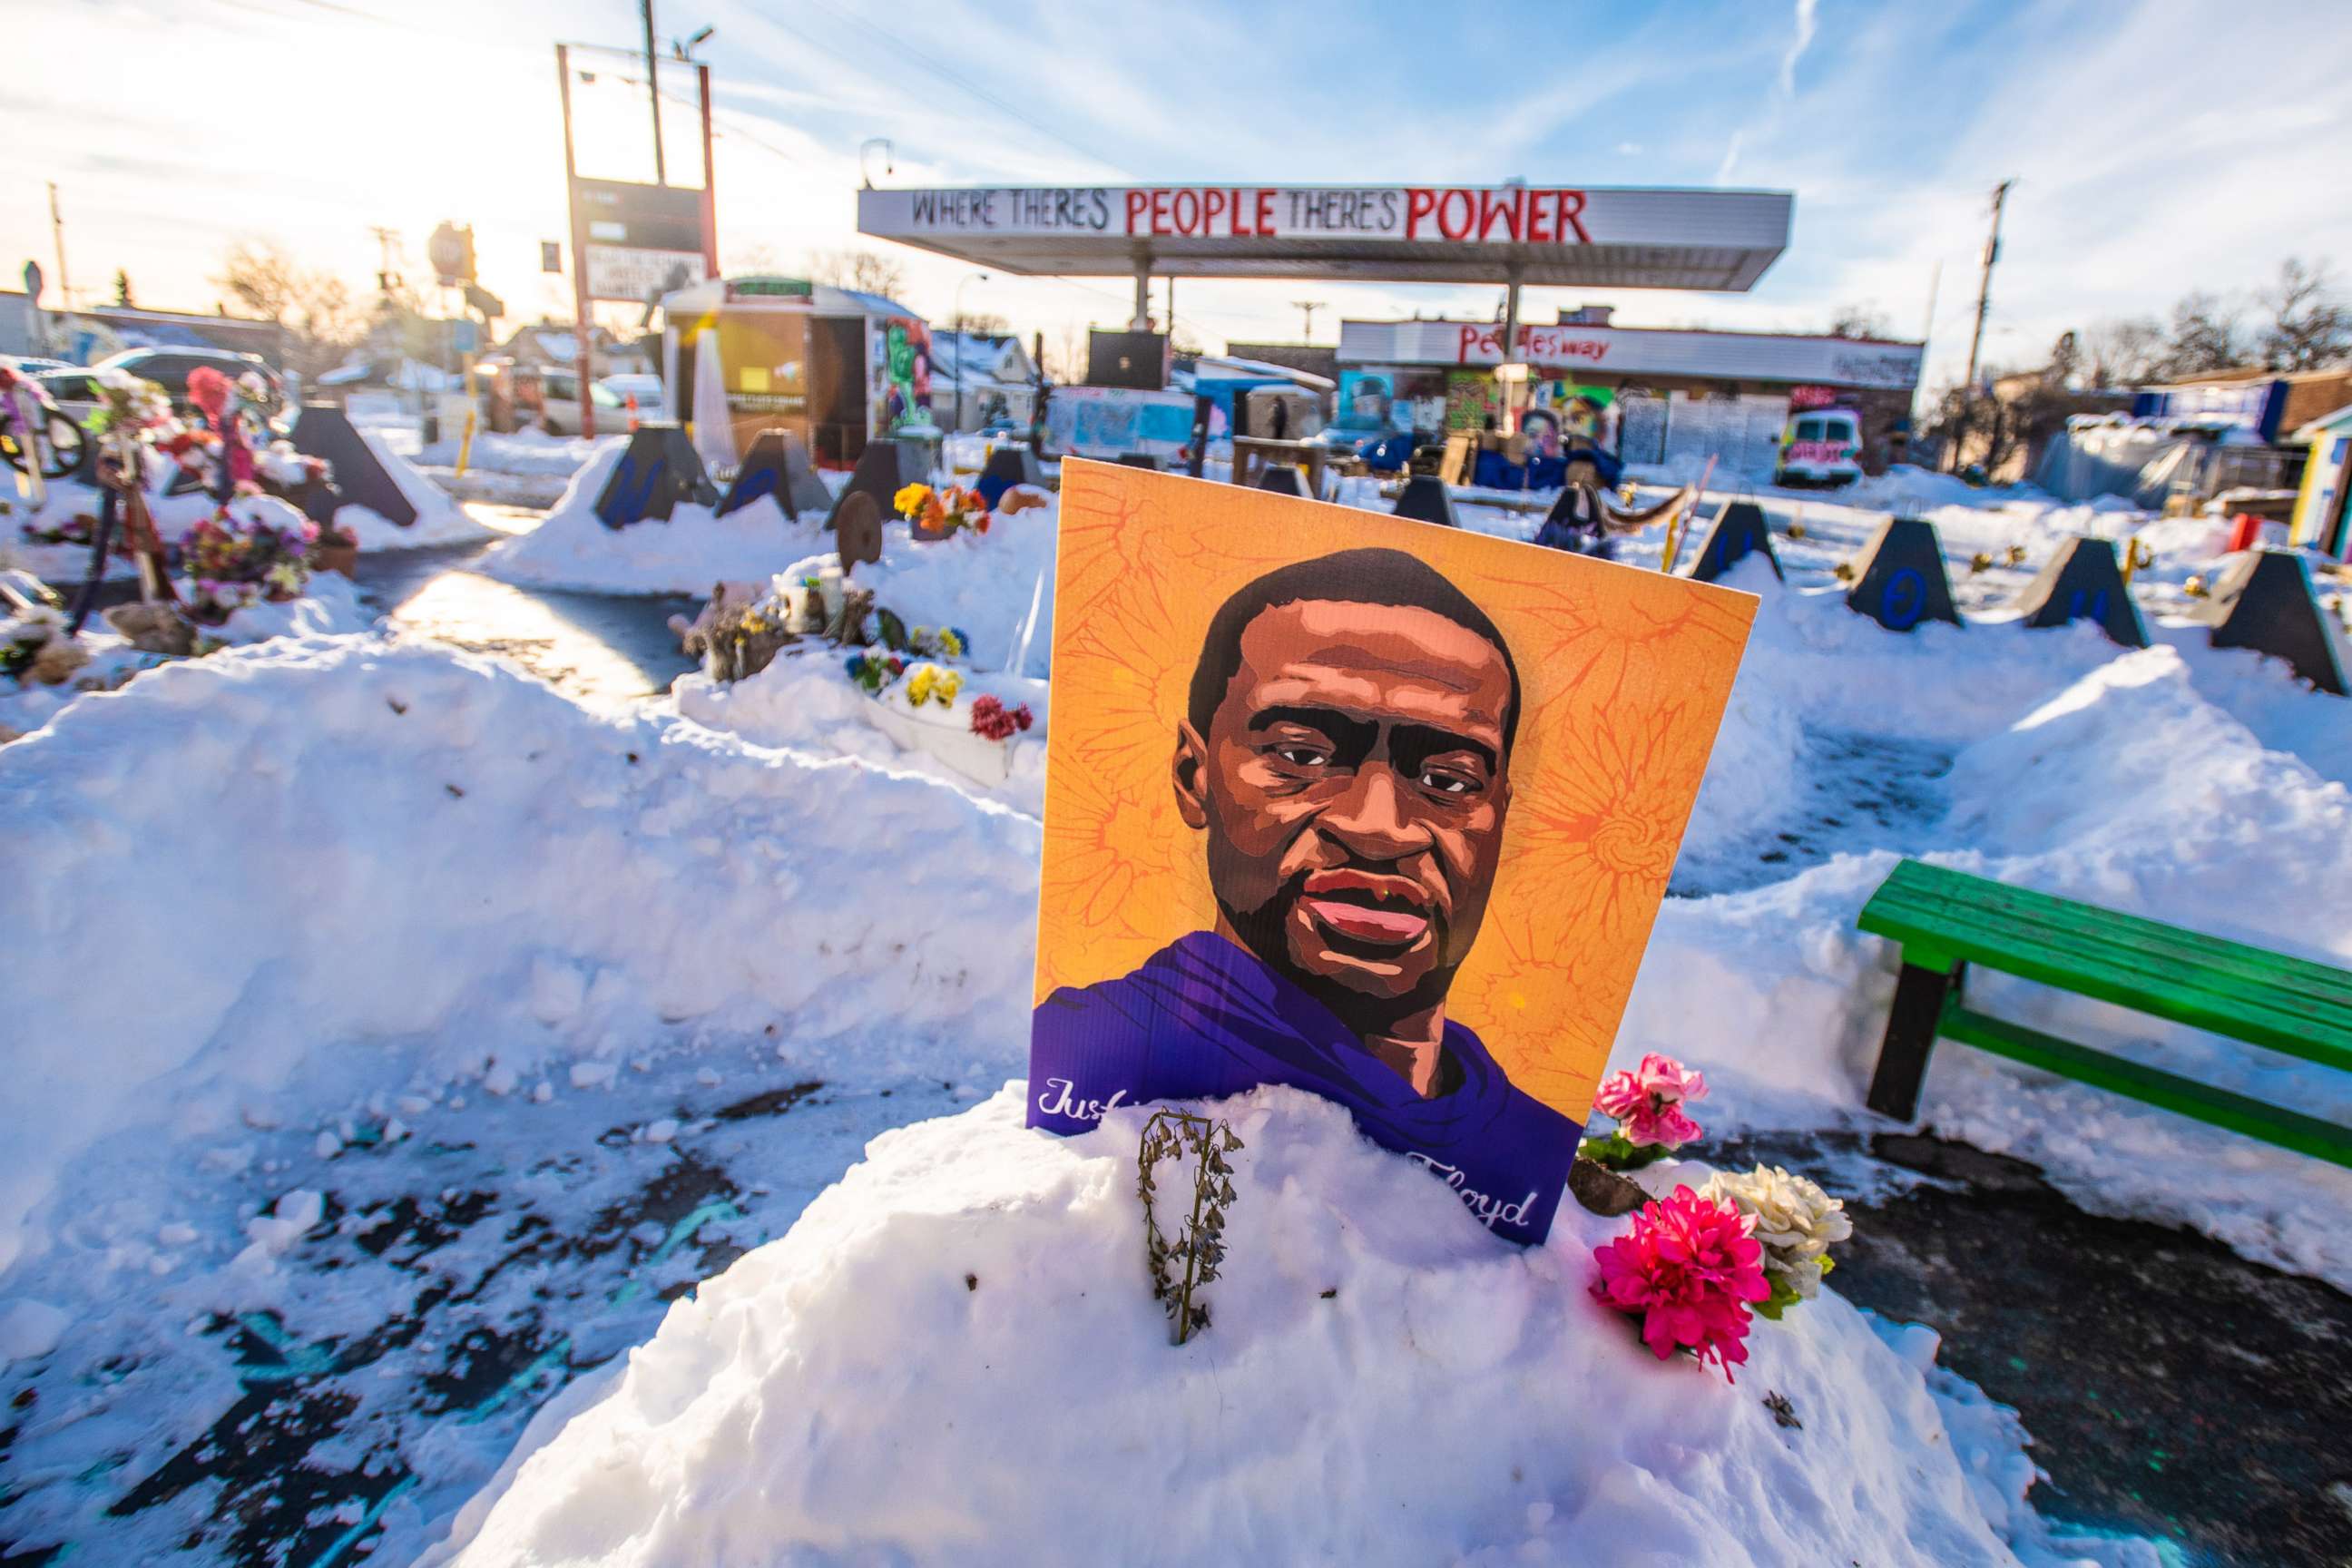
x=964 y=341
x=653 y=92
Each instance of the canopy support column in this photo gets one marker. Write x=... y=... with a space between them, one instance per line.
x=1142 y=322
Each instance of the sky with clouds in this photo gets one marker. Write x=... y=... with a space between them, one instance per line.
x=2157 y=147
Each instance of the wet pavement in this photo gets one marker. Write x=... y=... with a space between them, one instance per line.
x=605 y=652
x=2174 y=1390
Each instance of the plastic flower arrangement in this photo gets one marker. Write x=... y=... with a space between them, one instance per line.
x=78 y=529
x=235 y=560
x=946 y=642
x=929 y=683
x=1686 y=1268
x=26 y=634
x=942 y=513
x=1646 y=1102
x=875 y=669
x=992 y=720
x=1793 y=1220
x=128 y=404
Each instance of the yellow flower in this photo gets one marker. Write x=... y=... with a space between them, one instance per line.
x=949 y=683
x=951 y=644
x=909 y=501
x=919 y=684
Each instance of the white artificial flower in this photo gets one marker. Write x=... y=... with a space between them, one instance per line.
x=1795 y=1220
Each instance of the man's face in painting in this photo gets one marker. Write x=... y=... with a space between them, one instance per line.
x=1353 y=783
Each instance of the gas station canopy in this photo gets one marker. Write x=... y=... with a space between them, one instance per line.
x=1533 y=235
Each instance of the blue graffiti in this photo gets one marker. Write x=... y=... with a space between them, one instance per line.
x=1902 y=599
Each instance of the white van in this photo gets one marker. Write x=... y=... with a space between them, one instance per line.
x=1821 y=447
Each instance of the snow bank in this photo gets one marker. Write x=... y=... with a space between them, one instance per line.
x=426 y=868
x=2126 y=788
x=329 y=605
x=954 y=1356
x=687 y=554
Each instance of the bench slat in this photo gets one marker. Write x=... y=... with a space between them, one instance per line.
x=2244 y=1009
x=2287 y=1004
x=2257 y=1118
x=1932 y=890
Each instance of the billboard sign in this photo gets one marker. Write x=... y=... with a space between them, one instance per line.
x=637 y=241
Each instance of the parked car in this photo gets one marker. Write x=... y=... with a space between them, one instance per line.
x=556 y=409
x=73 y=391
x=653 y=398
x=1821 y=448
x=33 y=365
x=169 y=368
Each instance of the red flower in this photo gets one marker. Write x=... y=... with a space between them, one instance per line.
x=208 y=390
x=1687 y=1269
x=990 y=722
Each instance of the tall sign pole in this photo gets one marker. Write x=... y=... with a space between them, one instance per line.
x=1984 y=287
x=584 y=329
x=58 y=228
x=653 y=92
x=709 y=178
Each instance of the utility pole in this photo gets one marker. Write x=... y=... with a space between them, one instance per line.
x=1984 y=287
x=653 y=92
x=1309 y=307
x=57 y=227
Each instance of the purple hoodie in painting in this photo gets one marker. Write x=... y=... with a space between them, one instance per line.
x=1204 y=1018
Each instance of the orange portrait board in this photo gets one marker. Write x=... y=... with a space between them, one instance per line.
x=1377 y=808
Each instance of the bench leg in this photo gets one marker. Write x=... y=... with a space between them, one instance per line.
x=1920 y=997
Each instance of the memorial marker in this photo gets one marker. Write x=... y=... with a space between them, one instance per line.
x=1283 y=480
x=2264 y=601
x=658 y=469
x=323 y=430
x=1901 y=581
x=1425 y=498
x=776 y=465
x=2083 y=583
x=1737 y=531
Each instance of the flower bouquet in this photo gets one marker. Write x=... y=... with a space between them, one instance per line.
x=1646 y=1102
x=1687 y=1269
x=1794 y=1221
x=33 y=646
x=992 y=720
x=938 y=514
x=242 y=555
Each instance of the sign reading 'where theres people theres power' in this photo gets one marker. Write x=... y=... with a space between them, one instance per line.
x=1374 y=808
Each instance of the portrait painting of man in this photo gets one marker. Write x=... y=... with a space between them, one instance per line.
x=1346 y=742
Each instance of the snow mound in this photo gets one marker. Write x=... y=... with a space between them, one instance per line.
x=954 y=1357
x=391 y=865
x=330 y=605
x=986 y=585
x=687 y=554
x=2125 y=788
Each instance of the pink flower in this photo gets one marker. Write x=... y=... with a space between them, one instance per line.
x=1647 y=1101
x=1688 y=1268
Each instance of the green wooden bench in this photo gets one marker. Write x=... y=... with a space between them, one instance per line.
x=1946 y=920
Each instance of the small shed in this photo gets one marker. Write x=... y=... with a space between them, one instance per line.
x=2323 y=508
x=838 y=367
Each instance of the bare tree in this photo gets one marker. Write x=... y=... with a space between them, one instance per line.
x=312 y=305
x=980 y=324
x=751 y=259
x=2204 y=337
x=868 y=271
x=2310 y=326
x=1859 y=321
x=2122 y=350
x=1065 y=357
